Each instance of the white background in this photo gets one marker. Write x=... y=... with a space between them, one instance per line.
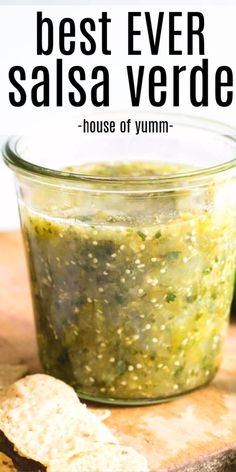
x=17 y=46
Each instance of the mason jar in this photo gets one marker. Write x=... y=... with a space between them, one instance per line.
x=130 y=242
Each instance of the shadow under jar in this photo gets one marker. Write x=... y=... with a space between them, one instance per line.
x=131 y=253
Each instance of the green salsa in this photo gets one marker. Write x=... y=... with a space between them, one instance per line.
x=132 y=301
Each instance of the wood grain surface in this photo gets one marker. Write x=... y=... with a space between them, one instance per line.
x=195 y=433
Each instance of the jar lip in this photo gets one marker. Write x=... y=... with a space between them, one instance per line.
x=13 y=159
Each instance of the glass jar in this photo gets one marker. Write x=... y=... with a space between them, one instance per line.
x=131 y=276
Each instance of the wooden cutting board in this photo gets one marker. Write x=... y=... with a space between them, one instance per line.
x=196 y=433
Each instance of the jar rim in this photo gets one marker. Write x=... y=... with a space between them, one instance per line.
x=13 y=159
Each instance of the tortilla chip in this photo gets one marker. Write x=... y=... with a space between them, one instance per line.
x=44 y=419
x=20 y=463
x=102 y=414
x=107 y=458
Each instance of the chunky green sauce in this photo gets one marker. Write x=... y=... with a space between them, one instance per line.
x=132 y=305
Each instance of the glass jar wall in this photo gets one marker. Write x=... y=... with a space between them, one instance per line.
x=131 y=253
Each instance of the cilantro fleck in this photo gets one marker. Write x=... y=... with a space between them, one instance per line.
x=142 y=235
x=171 y=297
x=157 y=234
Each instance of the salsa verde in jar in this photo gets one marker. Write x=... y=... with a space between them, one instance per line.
x=132 y=294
